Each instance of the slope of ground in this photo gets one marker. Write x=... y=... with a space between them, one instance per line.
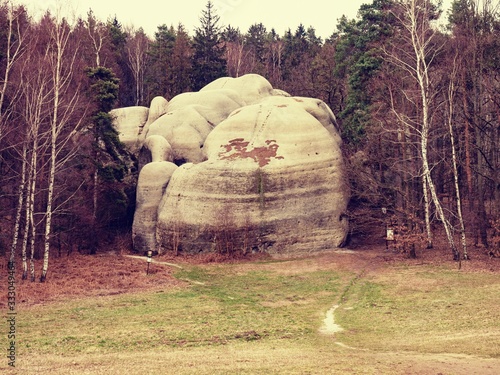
x=209 y=314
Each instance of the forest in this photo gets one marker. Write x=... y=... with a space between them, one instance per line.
x=417 y=102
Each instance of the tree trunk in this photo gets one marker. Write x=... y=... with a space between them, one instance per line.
x=421 y=69
x=31 y=218
x=20 y=201
x=481 y=217
x=451 y=91
x=12 y=54
x=61 y=80
x=427 y=212
x=30 y=222
x=468 y=142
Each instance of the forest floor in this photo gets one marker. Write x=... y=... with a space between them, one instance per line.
x=370 y=280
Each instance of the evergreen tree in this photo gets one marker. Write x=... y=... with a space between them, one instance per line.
x=209 y=61
x=326 y=86
x=160 y=61
x=299 y=50
x=112 y=162
x=314 y=41
x=181 y=68
x=231 y=34
x=118 y=39
x=255 y=41
x=358 y=59
x=105 y=87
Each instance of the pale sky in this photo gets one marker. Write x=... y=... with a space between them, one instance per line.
x=149 y=14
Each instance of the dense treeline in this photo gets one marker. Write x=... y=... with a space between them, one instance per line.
x=418 y=105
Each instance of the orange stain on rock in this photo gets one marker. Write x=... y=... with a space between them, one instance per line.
x=238 y=149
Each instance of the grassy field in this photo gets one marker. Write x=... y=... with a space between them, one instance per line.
x=265 y=317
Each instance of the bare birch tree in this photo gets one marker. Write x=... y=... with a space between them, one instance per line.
x=235 y=56
x=15 y=47
x=51 y=110
x=34 y=96
x=14 y=50
x=275 y=50
x=414 y=18
x=137 y=48
x=454 y=161
x=97 y=35
x=65 y=101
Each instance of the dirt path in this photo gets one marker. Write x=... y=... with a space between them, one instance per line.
x=370 y=262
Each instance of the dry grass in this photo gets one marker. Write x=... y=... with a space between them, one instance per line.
x=76 y=276
x=103 y=315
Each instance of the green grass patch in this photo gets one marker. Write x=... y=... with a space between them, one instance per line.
x=433 y=311
x=257 y=318
x=248 y=306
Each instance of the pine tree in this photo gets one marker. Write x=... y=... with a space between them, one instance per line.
x=180 y=70
x=118 y=38
x=255 y=42
x=111 y=160
x=358 y=60
x=160 y=62
x=209 y=61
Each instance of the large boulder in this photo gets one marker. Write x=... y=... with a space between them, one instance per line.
x=259 y=170
x=157 y=108
x=190 y=118
x=251 y=87
x=273 y=181
x=129 y=122
x=187 y=119
x=153 y=180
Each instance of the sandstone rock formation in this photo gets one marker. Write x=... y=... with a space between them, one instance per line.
x=258 y=171
x=157 y=108
x=251 y=88
x=274 y=181
x=190 y=118
x=129 y=122
x=153 y=180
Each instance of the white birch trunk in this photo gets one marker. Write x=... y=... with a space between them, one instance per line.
x=26 y=226
x=31 y=209
x=14 y=51
x=427 y=213
x=60 y=39
x=30 y=206
x=422 y=74
x=415 y=21
x=136 y=52
x=451 y=91
x=52 y=173
x=19 y=209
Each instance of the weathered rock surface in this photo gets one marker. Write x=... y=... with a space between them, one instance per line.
x=190 y=118
x=251 y=88
x=259 y=170
x=129 y=122
x=157 y=108
x=274 y=181
x=155 y=148
x=153 y=180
